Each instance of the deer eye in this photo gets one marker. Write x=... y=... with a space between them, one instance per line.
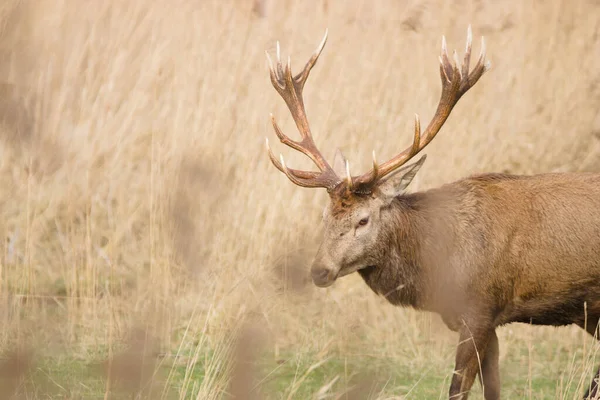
x=363 y=221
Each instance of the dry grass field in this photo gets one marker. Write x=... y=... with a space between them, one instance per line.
x=150 y=249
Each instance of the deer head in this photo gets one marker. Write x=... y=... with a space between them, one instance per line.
x=355 y=219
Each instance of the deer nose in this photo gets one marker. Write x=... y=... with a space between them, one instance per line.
x=322 y=277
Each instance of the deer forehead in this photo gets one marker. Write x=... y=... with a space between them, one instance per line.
x=341 y=211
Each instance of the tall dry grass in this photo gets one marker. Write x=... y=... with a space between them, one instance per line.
x=136 y=191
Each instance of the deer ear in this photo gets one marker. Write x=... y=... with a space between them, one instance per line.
x=395 y=183
x=339 y=163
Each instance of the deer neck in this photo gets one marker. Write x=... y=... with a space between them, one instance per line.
x=412 y=250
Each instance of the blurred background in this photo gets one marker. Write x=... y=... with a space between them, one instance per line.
x=150 y=249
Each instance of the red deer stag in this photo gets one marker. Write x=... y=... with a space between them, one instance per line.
x=482 y=252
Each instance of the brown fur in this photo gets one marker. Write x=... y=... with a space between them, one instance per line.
x=490 y=250
x=343 y=200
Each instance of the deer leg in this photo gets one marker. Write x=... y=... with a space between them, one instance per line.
x=591 y=326
x=592 y=392
x=490 y=370
x=472 y=346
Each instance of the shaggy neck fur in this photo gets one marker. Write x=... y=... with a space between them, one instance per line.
x=416 y=240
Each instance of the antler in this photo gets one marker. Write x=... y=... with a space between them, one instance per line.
x=456 y=81
x=290 y=89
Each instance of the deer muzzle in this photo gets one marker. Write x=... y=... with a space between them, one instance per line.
x=322 y=276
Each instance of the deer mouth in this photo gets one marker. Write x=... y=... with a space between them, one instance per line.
x=352 y=270
x=325 y=278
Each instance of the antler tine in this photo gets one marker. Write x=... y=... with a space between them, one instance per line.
x=467 y=58
x=301 y=178
x=417 y=138
x=375 y=165
x=297 y=173
x=290 y=89
x=480 y=68
x=348 y=176
x=291 y=174
x=456 y=81
x=302 y=76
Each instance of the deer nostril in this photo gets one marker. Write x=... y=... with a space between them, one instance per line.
x=322 y=277
x=319 y=273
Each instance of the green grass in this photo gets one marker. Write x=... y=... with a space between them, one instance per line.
x=64 y=378
x=301 y=376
